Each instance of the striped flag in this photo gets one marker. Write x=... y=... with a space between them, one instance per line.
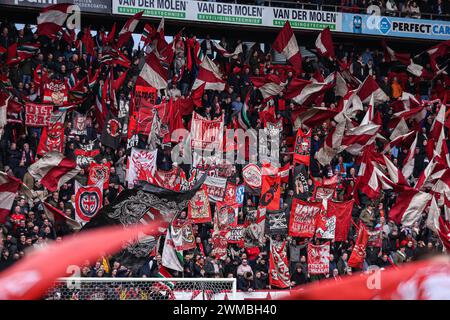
x=51 y=19
x=53 y=170
x=324 y=44
x=9 y=186
x=210 y=74
x=153 y=73
x=286 y=44
x=147 y=33
x=128 y=29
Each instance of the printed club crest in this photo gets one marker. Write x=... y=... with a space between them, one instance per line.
x=113 y=127
x=88 y=201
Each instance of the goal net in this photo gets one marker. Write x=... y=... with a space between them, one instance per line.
x=142 y=289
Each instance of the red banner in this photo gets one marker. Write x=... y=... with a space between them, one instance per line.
x=303 y=218
x=343 y=213
x=302 y=147
x=56 y=92
x=359 y=250
x=220 y=245
x=319 y=258
x=325 y=226
x=37 y=115
x=270 y=189
x=278 y=265
x=199 y=209
x=99 y=172
x=375 y=238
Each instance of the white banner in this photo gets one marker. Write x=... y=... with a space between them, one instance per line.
x=227 y=13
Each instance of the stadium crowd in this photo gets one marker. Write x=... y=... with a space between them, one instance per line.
x=28 y=227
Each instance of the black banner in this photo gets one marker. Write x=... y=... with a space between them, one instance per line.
x=277 y=222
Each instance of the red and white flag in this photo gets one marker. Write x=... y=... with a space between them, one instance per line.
x=286 y=44
x=141 y=166
x=407 y=101
x=438 y=123
x=53 y=170
x=56 y=215
x=408 y=165
x=51 y=19
x=278 y=265
x=302 y=222
x=209 y=74
x=9 y=186
x=371 y=179
x=319 y=258
x=153 y=73
x=370 y=114
x=99 y=174
x=332 y=144
x=355 y=139
x=269 y=85
x=324 y=44
x=395 y=174
x=128 y=29
x=225 y=53
x=312 y=117
x=409 y=206
x=391 y=55
x=400 y=129
x=370 y=87
x=304 y=91
x=418 y=70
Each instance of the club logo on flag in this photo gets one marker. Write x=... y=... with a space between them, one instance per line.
x=114 y=128
x=88 y=200
x=252 y=175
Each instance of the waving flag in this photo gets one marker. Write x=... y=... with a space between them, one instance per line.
x=209 y=74
x=128 y=29
x=171 y=257
x=305 y=91
x=286 y=44
x=51 y=19
x=269 y=85
x=324 y=44
x=153 y=73
x=53 y=170
x=9 y=186
x=409 y=206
